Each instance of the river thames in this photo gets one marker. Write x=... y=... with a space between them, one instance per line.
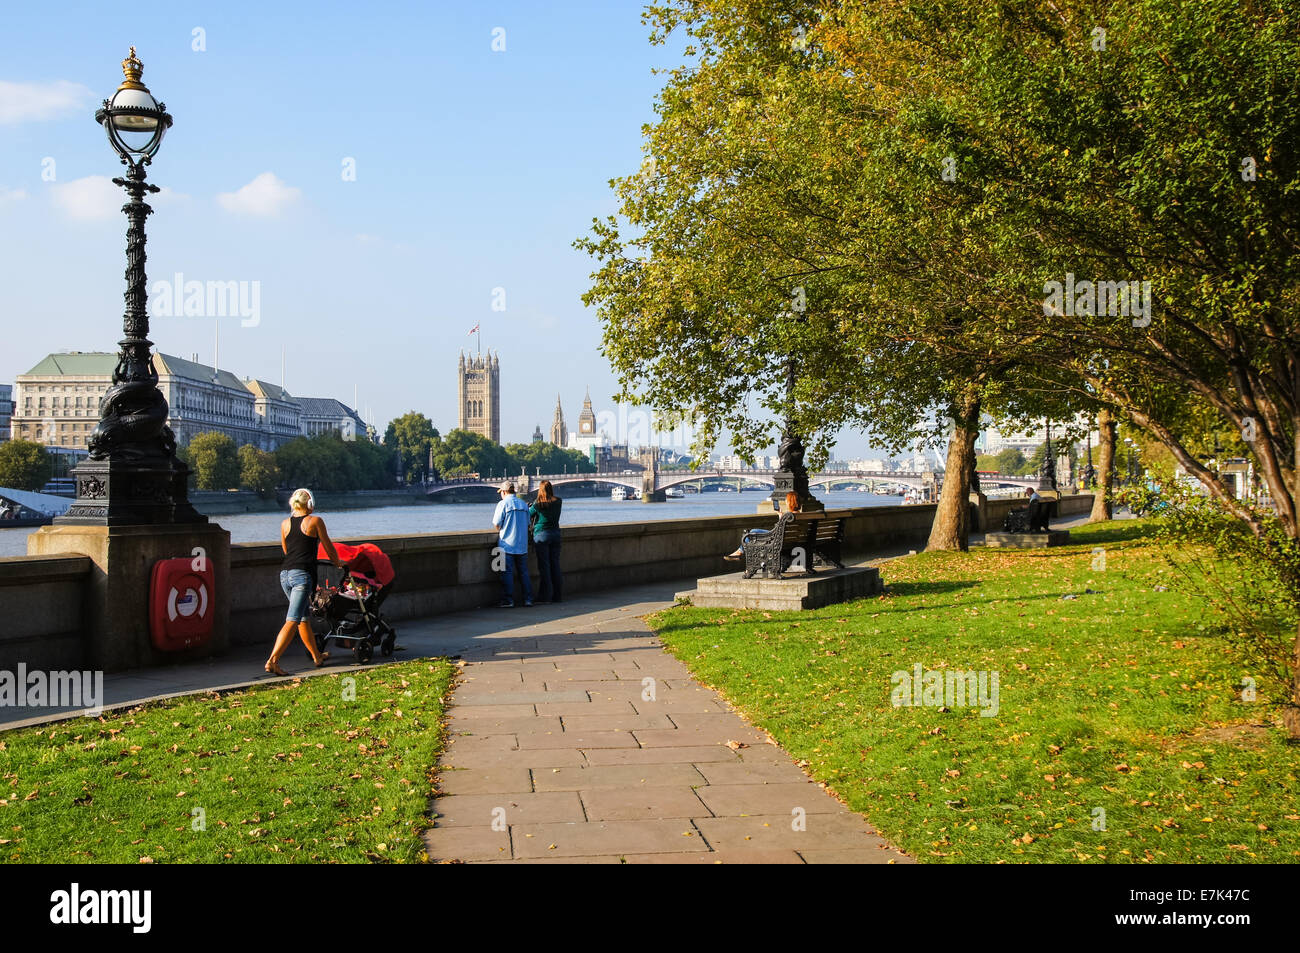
x=441 y=518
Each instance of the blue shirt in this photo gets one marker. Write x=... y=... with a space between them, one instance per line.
x=511 y=521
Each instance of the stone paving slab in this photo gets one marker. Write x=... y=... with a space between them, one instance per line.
x=618 y=776
x=499 y=779
x=735 y=731
x=590 y=744
x=461 y=742
x=527 y=697
x=535 y=758
x=819 y=832
x=504 y=726
x=479 y=810
x=623 y=804
x=467 y=843
x=664 y=755
x=615 y=722
x=605 y=837
x=739 y=800
x=468 y=713
x=581 y=740
x=588 y=707
x=752 y=772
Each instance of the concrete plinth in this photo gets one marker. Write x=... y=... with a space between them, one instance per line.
x=116 y=605
x=734 y=591
x=1053 y=537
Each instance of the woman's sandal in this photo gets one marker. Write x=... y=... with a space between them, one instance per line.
x=320 y=659
x=273 y=668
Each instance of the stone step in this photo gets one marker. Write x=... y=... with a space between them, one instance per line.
x=794 y=593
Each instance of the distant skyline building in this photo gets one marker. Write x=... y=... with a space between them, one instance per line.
x=537 y=435
x=559 y=432
x=6 y=410
x=57 y=403
x=479 y=390
x=586 y=436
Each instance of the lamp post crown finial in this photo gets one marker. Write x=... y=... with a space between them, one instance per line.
x=133 y=69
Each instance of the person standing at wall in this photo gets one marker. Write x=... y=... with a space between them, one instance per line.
x=511 y=522
x=545 y=513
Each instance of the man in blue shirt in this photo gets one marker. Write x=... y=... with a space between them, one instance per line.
x=511 y=521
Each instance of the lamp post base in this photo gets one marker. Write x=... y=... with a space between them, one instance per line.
x=797 y=483
x=131 y=493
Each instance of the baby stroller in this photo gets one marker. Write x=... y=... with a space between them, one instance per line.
x=350 y=609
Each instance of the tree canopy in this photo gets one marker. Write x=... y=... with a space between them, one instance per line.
x=25 y=465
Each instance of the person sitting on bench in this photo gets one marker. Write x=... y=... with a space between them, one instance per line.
x=792 y=507
x=1039 y=512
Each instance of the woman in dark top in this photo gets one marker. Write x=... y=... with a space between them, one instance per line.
x=299 y=536
x=545 y=514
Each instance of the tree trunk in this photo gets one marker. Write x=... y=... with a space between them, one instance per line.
x=951 y=528
x=1101 y=502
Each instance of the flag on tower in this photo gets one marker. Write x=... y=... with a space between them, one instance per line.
x=473 y=330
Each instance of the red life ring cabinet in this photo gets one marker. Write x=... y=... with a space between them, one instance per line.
x=181 y=603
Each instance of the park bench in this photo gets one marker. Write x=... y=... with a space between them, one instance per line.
x=796 y=541
x=1017 y=521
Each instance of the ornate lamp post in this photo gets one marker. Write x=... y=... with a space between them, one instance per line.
x=132 y=475
x=1047 y=472
x=792 y=475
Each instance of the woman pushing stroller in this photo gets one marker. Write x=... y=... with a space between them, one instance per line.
x=300 y=535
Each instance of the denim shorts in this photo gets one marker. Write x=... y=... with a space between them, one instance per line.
x=296 y=584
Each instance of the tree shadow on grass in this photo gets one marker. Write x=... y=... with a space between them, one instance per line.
x=904 y=589
x=1115 y=531
x=929 y=587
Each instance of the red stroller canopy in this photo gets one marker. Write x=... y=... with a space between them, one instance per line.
x=366 y=560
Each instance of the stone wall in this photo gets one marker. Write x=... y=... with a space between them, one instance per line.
x=42 y=602
x=41 y=597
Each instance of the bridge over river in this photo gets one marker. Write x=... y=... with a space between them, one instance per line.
x=651 y=484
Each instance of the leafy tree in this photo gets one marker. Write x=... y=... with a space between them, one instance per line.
x=546 y=458
x=1009 y=460
x=412 y=436
x=257 y=470
x=878 y=197
x=327 y=462
x=463 y=451
x=25 y=465
x=215 y=462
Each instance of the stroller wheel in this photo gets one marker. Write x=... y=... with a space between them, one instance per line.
x=364 y=651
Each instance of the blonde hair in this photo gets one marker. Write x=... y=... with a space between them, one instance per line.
x=302 y=500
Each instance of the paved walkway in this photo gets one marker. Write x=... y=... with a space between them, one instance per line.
x=574 y=736
x=580 y=740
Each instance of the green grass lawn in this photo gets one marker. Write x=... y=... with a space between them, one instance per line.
x=286 y=772
x=1121 y=701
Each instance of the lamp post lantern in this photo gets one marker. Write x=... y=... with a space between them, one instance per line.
x=132 y=475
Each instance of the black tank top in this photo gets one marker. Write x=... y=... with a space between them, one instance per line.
x=299 y=549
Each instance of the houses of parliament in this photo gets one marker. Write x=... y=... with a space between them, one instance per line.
x=479 y=390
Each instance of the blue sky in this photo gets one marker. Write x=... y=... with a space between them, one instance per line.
x=474 y=170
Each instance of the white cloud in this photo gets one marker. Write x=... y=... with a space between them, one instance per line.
x=36 y=102
x=367 y=239
x=95 y=198
x=11 y=195
x=90 y=199
x=265 y=196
